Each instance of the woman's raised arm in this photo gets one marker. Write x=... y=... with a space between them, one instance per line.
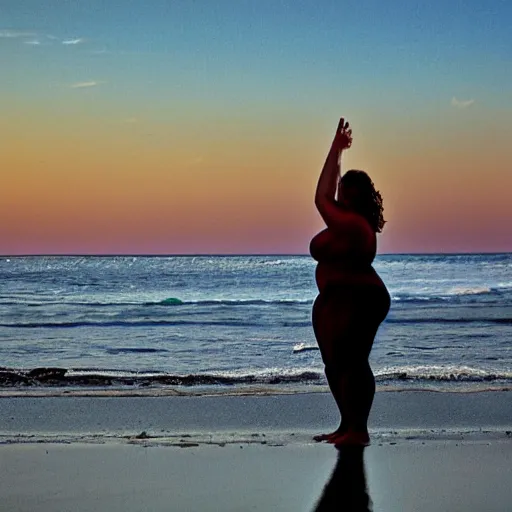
x=333 y=214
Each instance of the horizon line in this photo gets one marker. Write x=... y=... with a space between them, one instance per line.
x=189 y=255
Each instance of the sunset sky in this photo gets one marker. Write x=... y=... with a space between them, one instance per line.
x=201 y=126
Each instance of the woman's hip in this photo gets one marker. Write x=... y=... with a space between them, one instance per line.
x=367 y=302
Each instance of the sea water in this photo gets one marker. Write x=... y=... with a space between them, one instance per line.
x=232 y=322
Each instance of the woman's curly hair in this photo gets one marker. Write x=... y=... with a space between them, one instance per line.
x=368 y=202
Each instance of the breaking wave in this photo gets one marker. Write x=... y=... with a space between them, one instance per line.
x=49 y=376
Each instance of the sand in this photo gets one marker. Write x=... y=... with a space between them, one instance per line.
x=430 y=452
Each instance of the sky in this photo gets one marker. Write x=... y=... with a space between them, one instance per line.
x=201 y=126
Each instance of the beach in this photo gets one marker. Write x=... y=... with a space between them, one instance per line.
x=195 y=384
x=431 y=451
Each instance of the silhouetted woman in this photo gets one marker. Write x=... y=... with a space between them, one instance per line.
x=353 y=300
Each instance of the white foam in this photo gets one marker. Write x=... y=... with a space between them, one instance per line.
x=302 y=347
x=476 y=290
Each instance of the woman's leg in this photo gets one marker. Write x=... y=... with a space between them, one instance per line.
x=357 y=384
x=326 y=334
x=362 y=385
x=333 y=314
x=356 y=376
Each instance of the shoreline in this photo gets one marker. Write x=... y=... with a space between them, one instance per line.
x=137 y=390
x=220 y=419
x=226 y=391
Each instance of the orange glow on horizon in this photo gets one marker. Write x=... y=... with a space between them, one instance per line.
x=108 y=188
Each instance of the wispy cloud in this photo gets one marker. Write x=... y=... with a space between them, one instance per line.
x=35 y=38
x=72 y=41
x=11 y=34
x=461 y=103
x=82 y=85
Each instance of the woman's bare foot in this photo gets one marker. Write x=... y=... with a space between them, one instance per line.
x=327 y=437
x=351 y=438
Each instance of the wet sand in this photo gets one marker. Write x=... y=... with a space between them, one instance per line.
x=430 y=452
x=304 y=412
x=431 y=477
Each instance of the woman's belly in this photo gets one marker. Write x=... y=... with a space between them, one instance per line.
x=328 y=274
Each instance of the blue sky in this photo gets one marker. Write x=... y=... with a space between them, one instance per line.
x=279 y=44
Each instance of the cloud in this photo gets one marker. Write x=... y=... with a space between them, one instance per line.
x=82 y=85
x=461 y=103
x=73 y=41
x=17 y=34
x=130 y=120
x=11 y=34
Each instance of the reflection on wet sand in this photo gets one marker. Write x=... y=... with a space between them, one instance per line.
x=346 y=489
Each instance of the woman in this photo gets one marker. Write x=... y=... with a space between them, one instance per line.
x=353 y=300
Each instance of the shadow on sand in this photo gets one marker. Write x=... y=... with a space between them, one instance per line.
x=346 y=490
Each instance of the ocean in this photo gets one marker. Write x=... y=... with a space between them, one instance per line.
x=242 y=324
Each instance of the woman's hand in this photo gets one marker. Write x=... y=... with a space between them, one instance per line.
x=343 y=137
x=325 y=196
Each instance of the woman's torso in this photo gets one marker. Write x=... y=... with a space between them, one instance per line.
x=343 y=261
